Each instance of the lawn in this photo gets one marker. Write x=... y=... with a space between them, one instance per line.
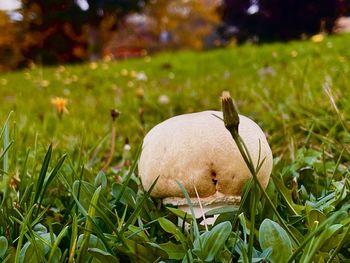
x=58 y=206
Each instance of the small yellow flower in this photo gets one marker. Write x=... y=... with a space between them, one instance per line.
x=93 y=65
x=32 y=65
x=294 y=53
x=341 y=59
x=60 y=105
x=171 y=75
x=61 y=68
x=44 y=83
x=124 y=72
x=67 y=81
x=107 y=58
x=3 y=82
x=147 y=59
x=317 y=38
x=27 y=75
x=140 y=93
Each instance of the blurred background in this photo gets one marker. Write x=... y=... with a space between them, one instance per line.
x=72 y=31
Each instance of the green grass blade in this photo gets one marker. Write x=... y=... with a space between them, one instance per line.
x=26 y=195
x=5 y=156
x=188 y=199
x=89 y=224
x=336 y=217
x=73 y=239
x=128 y=177
x=42 y=175
x=339 y=246
x=23 y=230
x=57 y=242
x=138 y=208
x=51 y=176
x=23 y=176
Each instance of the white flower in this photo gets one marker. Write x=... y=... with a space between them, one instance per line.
x=127 y=147
x=227 y=74
x=163 y=99
x=266 y=71
x=66 y=92
x=141 y=76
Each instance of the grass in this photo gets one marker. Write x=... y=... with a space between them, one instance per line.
x=58 y=206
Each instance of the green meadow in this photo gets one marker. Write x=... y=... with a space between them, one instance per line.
x=68 y=195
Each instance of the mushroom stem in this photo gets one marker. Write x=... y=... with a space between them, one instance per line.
x=199 y=212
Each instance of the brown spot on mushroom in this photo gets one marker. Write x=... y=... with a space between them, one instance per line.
x=213 y=175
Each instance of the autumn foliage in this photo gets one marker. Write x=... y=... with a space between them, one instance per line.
x=62 y=31
x=10 y=48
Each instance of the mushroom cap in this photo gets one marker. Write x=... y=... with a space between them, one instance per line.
x=199 y=152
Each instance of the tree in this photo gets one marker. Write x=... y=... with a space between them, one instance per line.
x=10 y=50
x=53 y=31
x=103 y=17
x=183 y=23
x=269 y=20
x=59 y=31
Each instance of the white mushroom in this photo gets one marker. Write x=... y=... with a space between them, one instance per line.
x=199 y=152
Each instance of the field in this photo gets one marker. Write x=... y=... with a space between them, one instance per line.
x=68 y=195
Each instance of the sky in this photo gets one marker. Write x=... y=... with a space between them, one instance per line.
x=9 y=5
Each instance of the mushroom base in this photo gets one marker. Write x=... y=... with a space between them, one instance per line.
x=198 y=212
x=216 y=199
x=208 y=203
